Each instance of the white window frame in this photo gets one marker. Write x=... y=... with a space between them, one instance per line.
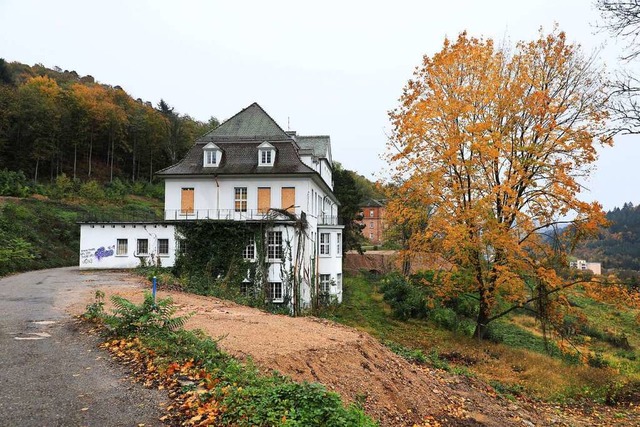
x=324 y=284
x=240 y=200
x=266 y=157
x=120 y=252
x=249 y=252
x=325 y=246
x=276 y=286
x=339 y=280
x=146 y=243
x=370 y=213
x=266 y=154
x=160 y=252
x=247 y=285
x=338 y=245
x=181 y=246
x=212 y=155
x=274 y=246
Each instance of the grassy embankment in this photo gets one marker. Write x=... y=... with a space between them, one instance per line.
x=38 y=232
x=516 y=362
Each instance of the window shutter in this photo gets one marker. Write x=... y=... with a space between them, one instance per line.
x=186 y=202
x=264 y=199
x=288 y=198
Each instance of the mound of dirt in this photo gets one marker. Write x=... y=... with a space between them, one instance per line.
x=353 y=364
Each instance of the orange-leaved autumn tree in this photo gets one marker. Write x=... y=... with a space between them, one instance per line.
x=491 y=147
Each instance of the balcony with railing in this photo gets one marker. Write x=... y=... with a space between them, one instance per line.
x=230 y=215
x=329 y=220
x=126 y=216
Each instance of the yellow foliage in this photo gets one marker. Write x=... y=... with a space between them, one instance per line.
x=489 y=147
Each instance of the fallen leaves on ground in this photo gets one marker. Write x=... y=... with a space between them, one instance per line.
x=187 y=384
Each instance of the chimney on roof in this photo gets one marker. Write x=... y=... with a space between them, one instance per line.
x=291 y=132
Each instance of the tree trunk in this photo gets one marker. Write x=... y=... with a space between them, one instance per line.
x=35 y=178
x=75 y=160
x=113 y=147
x=484 y=314
x=90 y=152
x=133 y=163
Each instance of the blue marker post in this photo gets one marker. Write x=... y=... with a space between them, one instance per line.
x=153 y=291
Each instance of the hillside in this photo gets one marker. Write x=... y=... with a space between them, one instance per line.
x=41 y=231
x=617 y=246
x=54 y=122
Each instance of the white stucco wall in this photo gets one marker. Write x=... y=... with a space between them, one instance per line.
x=98 y=244
x=215 y=199
x=331 y=263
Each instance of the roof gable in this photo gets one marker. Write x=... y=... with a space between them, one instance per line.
x=252 y=123
x=265 y=145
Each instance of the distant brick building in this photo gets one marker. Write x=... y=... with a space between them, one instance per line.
x=373 y=214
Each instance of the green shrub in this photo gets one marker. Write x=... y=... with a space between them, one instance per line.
x=92 y=190
x=148 y=318
x=13 y=184
x=62 y=188
x=116 y=190
x=597 y=360
x=407 y=300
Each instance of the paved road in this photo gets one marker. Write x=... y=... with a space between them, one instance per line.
x=51 y=374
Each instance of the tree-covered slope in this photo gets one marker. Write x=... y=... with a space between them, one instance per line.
x=617 y=246
x=54 y=122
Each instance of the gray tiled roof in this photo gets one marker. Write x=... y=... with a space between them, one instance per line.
x=252 y=123
x=317 y=145
x=240 y=157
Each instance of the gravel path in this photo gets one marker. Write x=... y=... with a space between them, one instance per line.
x=52 y=374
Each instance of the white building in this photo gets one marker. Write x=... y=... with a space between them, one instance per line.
x=581 y=264
x=247 y=169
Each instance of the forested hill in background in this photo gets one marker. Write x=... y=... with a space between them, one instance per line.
x=54 y=122
x=618 y=246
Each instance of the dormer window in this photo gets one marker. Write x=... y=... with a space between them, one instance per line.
x=266 y=154
x=265 y=157
x=212 y=155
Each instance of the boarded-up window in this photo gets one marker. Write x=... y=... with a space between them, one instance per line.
x=186 y=202
x=264 y=199
x=288 y=198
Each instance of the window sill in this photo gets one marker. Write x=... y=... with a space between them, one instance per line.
x=122 y=256
x=279 y=261
x=277 y=301
x=163 y=255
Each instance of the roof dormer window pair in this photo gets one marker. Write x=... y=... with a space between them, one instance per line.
x=213 y=155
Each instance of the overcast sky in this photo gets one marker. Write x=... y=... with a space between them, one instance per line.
x=329 y=67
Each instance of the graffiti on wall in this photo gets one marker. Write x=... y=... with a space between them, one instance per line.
x=103 y=252
x=87 y=256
